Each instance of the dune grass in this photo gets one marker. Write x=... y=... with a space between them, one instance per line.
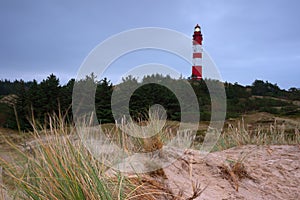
x=57 y=166
x=272 y=134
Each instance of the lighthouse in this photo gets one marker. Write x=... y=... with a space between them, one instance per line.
x=197 y=54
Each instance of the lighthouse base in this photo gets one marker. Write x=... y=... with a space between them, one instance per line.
x=196 y=73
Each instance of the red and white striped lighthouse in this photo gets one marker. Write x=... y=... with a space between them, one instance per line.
x=197 y=54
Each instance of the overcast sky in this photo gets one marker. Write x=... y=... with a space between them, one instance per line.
x=247 y=39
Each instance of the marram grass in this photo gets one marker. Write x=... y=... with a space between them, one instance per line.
x=274 y=134
x=56 y=166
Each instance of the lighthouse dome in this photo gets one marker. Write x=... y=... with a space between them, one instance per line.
x=197 y=28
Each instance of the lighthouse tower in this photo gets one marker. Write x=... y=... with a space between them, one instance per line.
x=197 y=54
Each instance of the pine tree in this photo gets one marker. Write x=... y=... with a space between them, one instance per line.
x=103 y=101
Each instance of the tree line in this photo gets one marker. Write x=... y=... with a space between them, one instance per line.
x=38 y=100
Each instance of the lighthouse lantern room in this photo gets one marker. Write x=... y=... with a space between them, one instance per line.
x=197 y=54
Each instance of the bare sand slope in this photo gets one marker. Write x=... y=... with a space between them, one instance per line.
x=270 y=172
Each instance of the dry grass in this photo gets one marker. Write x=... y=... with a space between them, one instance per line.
x=240 y=134
x=273 y=134
x=197 y=191
x=58 y=166
x=235 y=170
x=3 y=190
x=147 y=139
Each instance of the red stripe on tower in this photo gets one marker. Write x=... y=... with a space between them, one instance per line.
x=197 y=72
x=197 y=54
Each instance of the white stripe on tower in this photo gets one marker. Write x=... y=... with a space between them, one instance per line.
x=197 y=57
x=197 y=54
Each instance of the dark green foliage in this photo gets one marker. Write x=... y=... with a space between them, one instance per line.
x=293 y=94
x=5 y=116
x=22 y=106
x=65 y=99
x=8 y=87
x=260 y=87
x=49 y=91
x=236 y=91
x=103 y=101
x=151 y=94
x=291 y=110
x=37 y=100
